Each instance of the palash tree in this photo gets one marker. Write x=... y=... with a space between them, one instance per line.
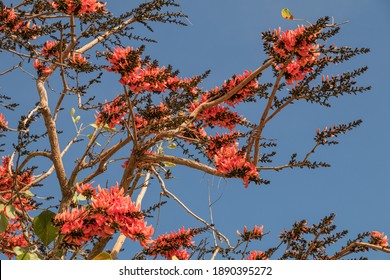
x=69 y=46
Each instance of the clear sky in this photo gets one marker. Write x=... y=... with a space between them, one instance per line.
x=224 y=36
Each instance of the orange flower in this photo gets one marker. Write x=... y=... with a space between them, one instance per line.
x=304 y=50
x=172 y=244
x=41 y=68
x=50 y=48
x=255 y=233
x=112 y=113
x=231 y=162
x=77 y=60
x=3 y=123
x=77 y=7
x=257 y=255
x=379 y=239
x=86 y=190
x=111 y=211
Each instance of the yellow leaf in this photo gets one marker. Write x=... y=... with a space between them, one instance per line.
x=287 y=14
x=169 y=164
x=103 y=256
x=174 y=258
x=171 y=146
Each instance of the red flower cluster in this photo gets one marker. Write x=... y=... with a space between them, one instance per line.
x=78 y=7
x=139 y=77
x=51 y=49
x=219 y=141
x=155 y=114
x=124 y=60
x=9 y=20
x=150 y=79
x=218 y=115
x=379 y=239
x=110 y=211
x=257 y=255
x=8 y=185
x=305 y=52
x=242 y=94
x=77 y=61
x=40 y=67
x=13 y=236
x=255 y=233
x=112 y=113
x=171 y=245
x=3 y=122
x=231 y=162
x=140 y=122
x=86 y=190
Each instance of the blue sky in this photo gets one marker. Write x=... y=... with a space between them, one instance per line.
x=224 y=36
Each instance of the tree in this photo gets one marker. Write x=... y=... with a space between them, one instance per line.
x=72 y=46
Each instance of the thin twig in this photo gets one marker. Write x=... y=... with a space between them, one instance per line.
x=349 y=249
x=12 y=69
x=169 y=194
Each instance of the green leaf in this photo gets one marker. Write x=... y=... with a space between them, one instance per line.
x=28 y=193
x=103 y=256
x=81 y=197
x=34 y=256
x=43 y=227
x=22 y=253
x=10 y=210
x=287 y=14
x=77 y=119
x=19 y=250
x=90 y=137
x=75 y=198
x=108 y=128
x=171 y=146
x=26 y=256
x=72 y=112
x=93 y=125
x=3 y=222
